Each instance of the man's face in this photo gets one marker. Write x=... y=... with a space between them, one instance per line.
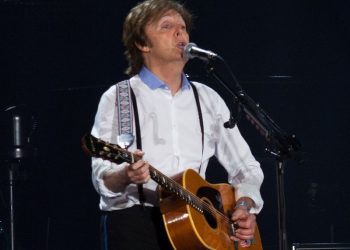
x=166 y=39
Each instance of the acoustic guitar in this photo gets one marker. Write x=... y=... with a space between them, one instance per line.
x=196 y=213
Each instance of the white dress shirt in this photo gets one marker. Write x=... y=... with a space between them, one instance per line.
x=172 y=140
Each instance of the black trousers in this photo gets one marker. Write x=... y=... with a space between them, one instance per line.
x=134 y=228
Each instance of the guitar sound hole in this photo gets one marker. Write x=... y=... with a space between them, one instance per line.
x=208 y=216
x=213 y=198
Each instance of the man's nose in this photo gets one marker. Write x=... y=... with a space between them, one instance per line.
x=179 y=31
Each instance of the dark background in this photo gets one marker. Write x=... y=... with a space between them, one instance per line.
x=58 y=57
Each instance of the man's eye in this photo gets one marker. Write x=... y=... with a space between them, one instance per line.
x=166 y=26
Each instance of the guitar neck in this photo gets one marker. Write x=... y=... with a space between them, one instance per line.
x=99 y=148
x=166 y=182
x=175 y=188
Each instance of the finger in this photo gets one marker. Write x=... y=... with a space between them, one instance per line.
x=241 y=217
x=144 y=169
x=137 y=165
x=244 y=233
x=242 y=242
x=134 y=170
x=240 y=214
x=246 y=243
x=246 y=228
x=138 y=152
x=248 y=223
x=141 y=179
x=140 y=175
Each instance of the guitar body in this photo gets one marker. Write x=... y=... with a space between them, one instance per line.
x=188 y=228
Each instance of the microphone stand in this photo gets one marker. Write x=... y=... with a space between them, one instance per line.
x=283 y=146
x=19 y=149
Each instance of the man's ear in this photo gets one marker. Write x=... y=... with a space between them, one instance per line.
x=142 y=48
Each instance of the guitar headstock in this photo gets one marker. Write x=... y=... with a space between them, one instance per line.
x=95 y=147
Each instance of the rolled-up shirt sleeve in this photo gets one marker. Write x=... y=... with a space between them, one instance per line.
x=233 y=152
x=247 y=184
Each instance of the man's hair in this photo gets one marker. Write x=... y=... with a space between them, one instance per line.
x=135 y=23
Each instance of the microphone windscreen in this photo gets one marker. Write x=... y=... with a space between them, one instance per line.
x=187 y=50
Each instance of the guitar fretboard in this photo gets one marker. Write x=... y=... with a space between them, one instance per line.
x=175 y=188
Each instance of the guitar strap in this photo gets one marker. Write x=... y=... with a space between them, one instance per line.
x=125 y=125
x=125 y=122
x=123 y=107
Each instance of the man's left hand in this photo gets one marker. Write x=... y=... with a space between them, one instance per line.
x=245 y=224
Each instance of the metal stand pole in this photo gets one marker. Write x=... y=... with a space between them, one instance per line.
x=281 y=202
x=12 y=203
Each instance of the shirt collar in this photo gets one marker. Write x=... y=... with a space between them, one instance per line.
x=152 y=81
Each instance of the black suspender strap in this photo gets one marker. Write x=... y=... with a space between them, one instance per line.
x=195 y=92
x=137 y=123
x=142 y=197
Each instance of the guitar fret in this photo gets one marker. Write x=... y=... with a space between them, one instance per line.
x=163 y=180
x=170 y=187
x=153 y=173
x=181 y=194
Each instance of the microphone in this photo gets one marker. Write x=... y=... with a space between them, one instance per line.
x=191 y=51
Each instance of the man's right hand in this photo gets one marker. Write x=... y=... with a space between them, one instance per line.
x=138 y=172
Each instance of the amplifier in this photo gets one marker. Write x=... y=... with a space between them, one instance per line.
x=321 y=246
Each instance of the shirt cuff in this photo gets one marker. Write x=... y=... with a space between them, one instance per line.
x=100 y=168
x=250 y=191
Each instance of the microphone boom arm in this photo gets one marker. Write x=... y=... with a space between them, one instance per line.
x=284 y=146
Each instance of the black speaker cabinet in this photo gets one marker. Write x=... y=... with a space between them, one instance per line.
x=321 y=246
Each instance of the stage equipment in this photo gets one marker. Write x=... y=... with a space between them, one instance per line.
x=283 y=146
x=17 y=125
x=321 y=246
